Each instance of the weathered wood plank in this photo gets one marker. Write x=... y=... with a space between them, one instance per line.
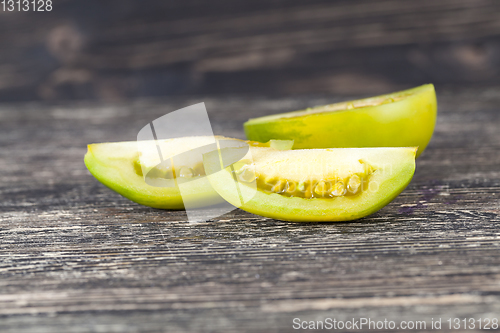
x=75 y=256
x=121 y=49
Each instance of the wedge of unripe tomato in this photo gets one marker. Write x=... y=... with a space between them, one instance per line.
x=312 y=185
x=401 y=119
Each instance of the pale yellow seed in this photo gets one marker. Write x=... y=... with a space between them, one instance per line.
x=309 y=191
x=306 y=188
x=353 y=184
x=321 y=188
x=291 y=187
x=269 y=181
x=247 y=175
x=186 y=172
x=279 y=186
x=338 y=189
x=301 y=186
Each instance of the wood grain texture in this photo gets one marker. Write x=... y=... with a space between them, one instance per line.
x=122 y=49
x=76 y=257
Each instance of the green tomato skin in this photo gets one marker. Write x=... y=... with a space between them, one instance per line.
x=397 y=166
x=121 y=178
x=112 y=164
x=406 y=122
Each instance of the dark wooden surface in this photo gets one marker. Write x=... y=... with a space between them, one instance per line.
x=76 y=257
x=124 y=49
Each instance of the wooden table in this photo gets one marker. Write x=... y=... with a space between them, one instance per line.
x=77 y=257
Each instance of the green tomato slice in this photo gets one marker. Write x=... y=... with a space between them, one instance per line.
x=312 y=185
x=401 y=119
x=118 y=166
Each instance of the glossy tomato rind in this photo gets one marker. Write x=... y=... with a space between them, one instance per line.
x=396 y=167
x=407 y=121
x=113 y=164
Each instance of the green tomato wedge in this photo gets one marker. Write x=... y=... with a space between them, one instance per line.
x=311 y=185
x=121 y=166
x=401 y=119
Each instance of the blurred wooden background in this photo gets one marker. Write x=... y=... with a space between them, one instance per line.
x=113 y=50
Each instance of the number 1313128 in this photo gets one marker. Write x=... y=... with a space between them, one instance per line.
x=26 y=5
